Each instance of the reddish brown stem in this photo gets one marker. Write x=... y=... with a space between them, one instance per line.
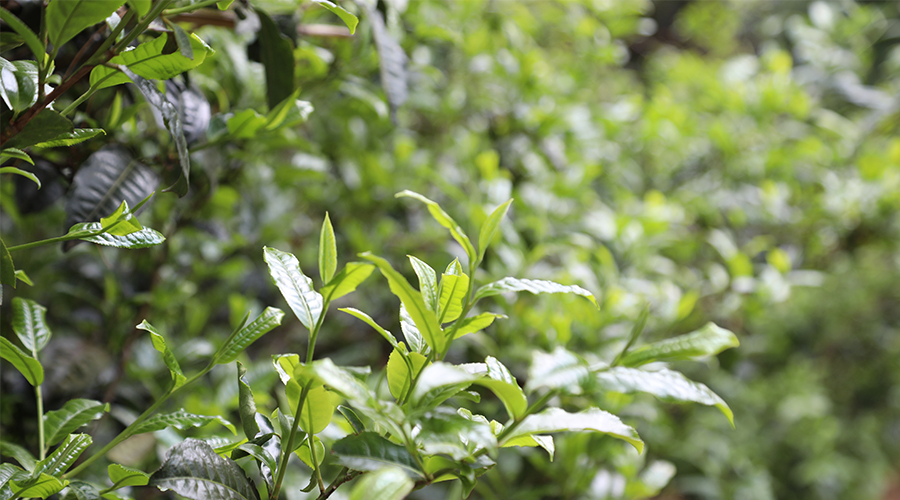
x=17 y=126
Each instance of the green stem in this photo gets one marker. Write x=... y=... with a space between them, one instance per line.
x=190 y=8
x=81 y=99
x=142 y=25
x=286 y=451
x=40 y=417
x=534 y=407
x=315 y=461
x=98 y=54
x=65 y=237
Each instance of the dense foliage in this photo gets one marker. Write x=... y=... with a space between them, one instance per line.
x=669 y=165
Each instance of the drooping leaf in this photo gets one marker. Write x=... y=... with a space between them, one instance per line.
x=386 y=483
x=193 y=109
x=122 y=476
x=399 y=375
x=20 y=84
x=21 y=455
x=72 y=138
x=489 y=228
x=27 y=366
x=296 y=287
x=180 y=420
x=347 y=280
x=411 y=333
x=277 y=54
x=258 y=452
x=183 y=39
x=144 y=238
x=327 y=251
x=533 y=286
x=557 y=420
x=103 y=181
x=193 y=470
x=148 y=60
x=7 y=153
x=665 y=384
x=452 y=293
x=425 y=320
x=45 y=126
x=545 y=442
x=501 y=382
x=560 y=370
x=76 y=412
x=40 y=486
x=438 y=382
x=349 y=19
x=235 y=345
x=159 y=343
x=28 y=36
x=318 y=410
x=174 y=125
x=368 y=451
x=371 y=322
x=64 y=456
x=707 y=341
x=246 y=404
x=7 y=268
x=66 y=18
x=427 y=282
x=445 y=220
x=475 y=323
x=30 y=324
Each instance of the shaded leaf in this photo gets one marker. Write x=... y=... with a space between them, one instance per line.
x=559 y=370
x=427 y=282
x=399 y=376
x=533 y=286
x=7 y=268
x=353 y=418
x=193 y=109
x=242 y=338
x=327 y=251
x=122 y=476
x=65 y=19
x=7 y=153
x=41 y=486
x=27 y=366
x=245 y=123
x=411 y=333
x=81 y=490
x=180 y=420
x=30 y=324
x=392 y=59
x=557 y=420
x=277 y=55
x=64 y=456
x=346 y=281
x=20 y=454
x=438 y=382
x=28 y=36
x=369 y=451
x=707 y=341
x=246 y=404
x=296 y=287
x=193 y=469
x=75 y=413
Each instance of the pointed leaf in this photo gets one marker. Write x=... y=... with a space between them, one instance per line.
x=20 y=454
x=489 y=228
x=665 y=384
x=424 y=319
x=306 y=457
x=7 y=268
x=352 y=417
x=7 y=153
x=76 y=412
x=277 y=55
x=41 y=486
x=707 y=341
x=559 y=370
x=411 y=333
x=144 y=238
x=45 y=126
x=234 y=346
x=20 y=84
x=193 y=470
x=557 y=420
x=533 y=286
x=122 y=476
x=159 y=343
x=258 y=452
x=327 y=251
x=505 y=386
x=30 y=324
x=72 y=138
x=246 y=404
x=347 y=280
x=180 y=420
x=349 y=19
x=18 y=171
x=27 y=366
x=399 y=376
x=29 y=37
x=64 y=456
x=67 y=18
x=183 y=39
x=453 y=291
x=81 y=490
x=295 y=286
x=369 y=452
x=427 y=282
x=445 y=220
x=148 y=60
x=438 y=382
x=475 y=323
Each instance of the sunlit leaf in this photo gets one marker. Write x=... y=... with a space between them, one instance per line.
x=29 y=321
x=349 y=19
x=489 y=228
x=707 y=341
x=159 y=343
x=235 y=345
x=66 y=18
x=369 y=451
x=532 y=286
x=398 y=372
x=557 y=420
x=445 y=220
x=327 y=251
x=559 y=370
x=75 y=413
x=180 y=420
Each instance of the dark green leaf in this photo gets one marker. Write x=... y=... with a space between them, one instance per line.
x=64 y=456
x=75 y=413
x=122 y=476
x=45 y=126
x=327 y=251
x=277 y=54
x=23 y=173
x=445 y=220
x=193 y=470
x=557 y=420
x=81 y=490
x=71 y=138
x=27 y=366
x=235 y=345
x=489 y=228
x=349 y=19
x=386 y=483
x=347 y=280
x=18 y=453
x=244 y=124
x=32 y=40
x=296 y=287
x=159 y=343
x=258 y=452
x=180 y=420
x=707 y=341
x=30 y=324
x=7 y=153
x=352 y=418
x=246 y=404
x=369 y=452
x=438 y=382
x=66 y=18
x=9 y=41
x=184 y=42
x=533 y=286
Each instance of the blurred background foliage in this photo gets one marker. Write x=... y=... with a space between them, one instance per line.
x=729 y=161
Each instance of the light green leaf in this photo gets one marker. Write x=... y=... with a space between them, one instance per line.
x=505 y=386
x=665 y=384
x=427 y=282
x=63 y=456
x=71 y=138
x=122 y=476
x=27 y=366
x=371 y=322
x=533 y=286
x=180 y=420
x=398 y=373
x=438 y=382
x=327 y=251
x=424 y=319
x=19 y=88
x=445 y=220
x=223 y=4
x=285 y=365
x=141 y=6
x=144 y=238
x=244 y=124
x=183 y=40
x=75 y=413
x=349 y=19
x=559 y=370
x=23 y=173
x=318 y=410
x=475 y=323
x=386 y=483
x=593 y=419
x=66 y=18
x=411 y=333
x=159 y=343
x=242 y=338
x=81 y=490
x=296 y=287
x=41 y=486
x=489 y=228
x=29 y=321
x=121 y=222
x=21 y=276
x=45 y=126
x=707 y=341
x=278 y=115
x=193 y=470
x=148 y=61
x=32 y=40
x=20 y=454
x=346 y=281
x=452 y=292
x=304 y=455
x=7 y=153
x=369 y=451
x=246 y=404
